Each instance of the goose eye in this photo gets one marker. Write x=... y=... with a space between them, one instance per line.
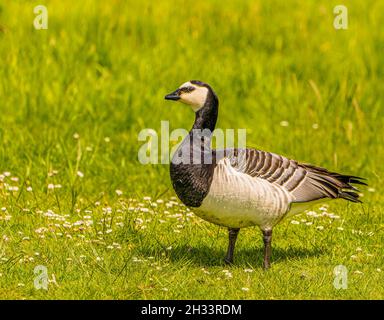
x=187 y=89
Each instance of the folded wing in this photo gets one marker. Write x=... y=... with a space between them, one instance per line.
x=303 y=181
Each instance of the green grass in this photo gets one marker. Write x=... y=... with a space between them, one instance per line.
x=101 y=71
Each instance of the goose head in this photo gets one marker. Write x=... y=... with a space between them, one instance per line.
x=194 y=93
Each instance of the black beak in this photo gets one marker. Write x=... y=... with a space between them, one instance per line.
x=173 y=96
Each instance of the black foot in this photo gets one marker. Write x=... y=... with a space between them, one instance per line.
x=266 y=265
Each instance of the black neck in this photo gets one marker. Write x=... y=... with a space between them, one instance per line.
x=206 y=117
x=192 y=181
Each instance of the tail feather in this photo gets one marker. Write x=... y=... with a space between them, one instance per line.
x=334 y=185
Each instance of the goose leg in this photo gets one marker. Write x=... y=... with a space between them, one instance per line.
x=232 y=233
x=267 y=239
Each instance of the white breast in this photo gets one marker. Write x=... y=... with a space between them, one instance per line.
x=238 y=200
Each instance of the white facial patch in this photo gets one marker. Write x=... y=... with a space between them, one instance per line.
x=195 y=98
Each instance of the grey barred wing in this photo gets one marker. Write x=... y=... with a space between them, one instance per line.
x=303 y=181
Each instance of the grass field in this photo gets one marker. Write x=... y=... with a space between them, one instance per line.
x=73 y=99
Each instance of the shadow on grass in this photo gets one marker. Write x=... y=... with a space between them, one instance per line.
x=204 y=255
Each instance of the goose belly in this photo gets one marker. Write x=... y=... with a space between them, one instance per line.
x=238 y=200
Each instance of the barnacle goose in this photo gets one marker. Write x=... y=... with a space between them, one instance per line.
x=238 y=188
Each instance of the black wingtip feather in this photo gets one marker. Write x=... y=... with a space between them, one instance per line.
x=349 y=195
x=338 y=185
x=355 y=181
x=350 y=192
